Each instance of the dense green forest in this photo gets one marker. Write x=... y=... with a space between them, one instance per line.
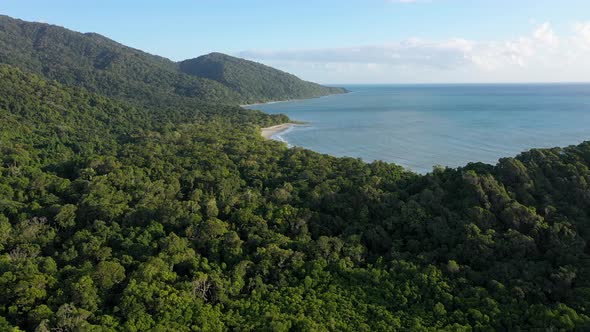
x=253 y=81
x=120 y=212
x=104 y=66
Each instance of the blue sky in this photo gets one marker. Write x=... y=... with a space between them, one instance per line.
x=352 y=41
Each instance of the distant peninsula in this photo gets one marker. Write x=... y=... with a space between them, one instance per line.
x=103 y=66
x=252 y=81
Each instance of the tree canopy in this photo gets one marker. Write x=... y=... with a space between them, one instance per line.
x=254 y=82
x=106 y=67
x=118 y=213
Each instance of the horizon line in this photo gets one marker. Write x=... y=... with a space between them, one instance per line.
x=464 y=83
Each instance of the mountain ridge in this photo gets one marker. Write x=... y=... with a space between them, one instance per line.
x=105 y=66
x=257 y=82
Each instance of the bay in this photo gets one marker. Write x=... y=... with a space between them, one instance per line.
x=420 y=126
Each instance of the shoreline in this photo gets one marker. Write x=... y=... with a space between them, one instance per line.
x=268 y=132
x=296 y=99
x=270 y=102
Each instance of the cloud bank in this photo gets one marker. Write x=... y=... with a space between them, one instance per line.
x=540 y=56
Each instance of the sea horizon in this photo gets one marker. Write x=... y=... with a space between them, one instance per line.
x=458 y=83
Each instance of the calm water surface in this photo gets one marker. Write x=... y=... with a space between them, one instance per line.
x=419 y=126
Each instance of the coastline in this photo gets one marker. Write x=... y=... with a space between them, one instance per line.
x=273 y=102
x=268 y=132
x=295 y=99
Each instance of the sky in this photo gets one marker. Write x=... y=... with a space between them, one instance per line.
x=349 y=41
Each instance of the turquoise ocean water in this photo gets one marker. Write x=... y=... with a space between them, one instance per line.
x=419 y=126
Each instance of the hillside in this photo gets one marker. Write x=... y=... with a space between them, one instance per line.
x=120 y=214
x=253 y=81
x=127 y=218
x=107 y=67
x=99 y=64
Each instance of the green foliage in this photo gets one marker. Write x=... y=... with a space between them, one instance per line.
x=177 y=216
x=104 y=66
x=254 y=82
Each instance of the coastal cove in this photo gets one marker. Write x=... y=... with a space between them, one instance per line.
x=420 y=126
x=270 y=132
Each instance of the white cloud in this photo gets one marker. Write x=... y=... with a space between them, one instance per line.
x=582 y=34
x=411 y=52
x=544 y=34
x=583 y=29
x=540 y=56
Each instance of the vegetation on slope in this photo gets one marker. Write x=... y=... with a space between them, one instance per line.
x=254 y=82
x=118 y=217
x=104 y=66
x=99 y=64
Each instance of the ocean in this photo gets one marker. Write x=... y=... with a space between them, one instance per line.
x=420 y=126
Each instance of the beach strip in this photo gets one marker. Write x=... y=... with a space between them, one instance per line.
x=269 y=131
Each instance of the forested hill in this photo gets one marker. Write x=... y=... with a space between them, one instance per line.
x=254 y=82
x=170 y=214
x=100 y=64
x=107 y=67
x=120 y=218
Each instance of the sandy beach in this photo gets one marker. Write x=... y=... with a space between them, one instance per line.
x=269 y=131
x=270 y=102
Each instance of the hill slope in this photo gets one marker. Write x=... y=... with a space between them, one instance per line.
x=178 y=216
x=99 y=64
x=253 y=81
x=107 y=67
x=118 y=218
